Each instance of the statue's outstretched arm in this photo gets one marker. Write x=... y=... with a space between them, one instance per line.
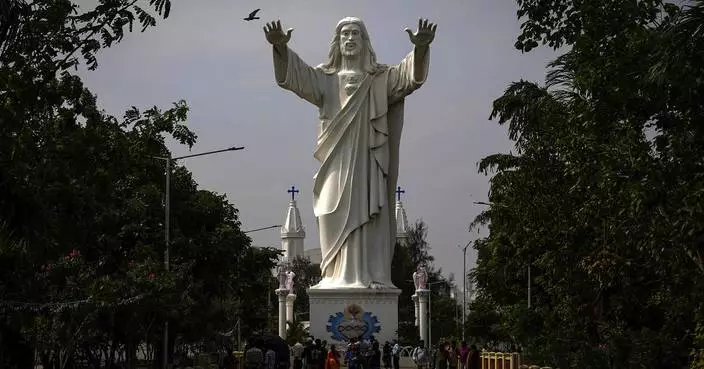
x=290 y=71
x=421 y=52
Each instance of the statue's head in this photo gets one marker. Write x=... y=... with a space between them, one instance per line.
x=351 y=40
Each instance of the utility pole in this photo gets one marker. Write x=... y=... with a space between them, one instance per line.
x=464 y=287
x=167 y=223
x=529 y=287
x=167 y=230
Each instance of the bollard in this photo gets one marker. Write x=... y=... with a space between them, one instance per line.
x=516 y=357
x=239 y=356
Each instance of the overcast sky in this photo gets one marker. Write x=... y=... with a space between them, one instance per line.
x=222 y=66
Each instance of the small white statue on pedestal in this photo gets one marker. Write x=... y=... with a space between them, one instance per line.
x=281 y=275
x=289 y=280
x=420 y=277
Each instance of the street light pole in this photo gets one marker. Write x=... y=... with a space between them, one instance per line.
x=464 y=287
x=263 y=228
x=167 y=229
x=529 y=287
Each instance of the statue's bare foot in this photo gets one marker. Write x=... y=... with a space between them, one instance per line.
x=377 y=285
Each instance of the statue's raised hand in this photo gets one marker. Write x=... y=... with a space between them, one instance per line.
x=275 y=34
x=425 y=34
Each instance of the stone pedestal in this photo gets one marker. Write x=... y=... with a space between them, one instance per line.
x=289 y=307
x=282 y=311
x=423 y=314
x=338 y=314
x=416 y=306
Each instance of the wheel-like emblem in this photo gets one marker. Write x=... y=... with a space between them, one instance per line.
x=353 y=322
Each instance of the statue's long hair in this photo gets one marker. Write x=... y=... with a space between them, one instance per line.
x=332 y=64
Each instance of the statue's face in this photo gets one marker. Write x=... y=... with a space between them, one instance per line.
x=351 y=40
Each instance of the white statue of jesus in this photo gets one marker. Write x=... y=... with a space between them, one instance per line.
x=360 y=106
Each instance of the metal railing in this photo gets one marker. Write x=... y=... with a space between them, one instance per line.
x=505 y=360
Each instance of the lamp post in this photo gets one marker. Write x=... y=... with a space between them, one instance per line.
x=464 y=286
x=263 y=228
x=167 y=228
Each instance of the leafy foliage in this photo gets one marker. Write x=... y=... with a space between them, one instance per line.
x=81 y=207
x=602 y=199
x=295 y=332
x=307 y=275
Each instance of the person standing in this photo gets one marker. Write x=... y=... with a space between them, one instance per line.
x=442 y=356
x=420 y=355
x=306 y=353
x=365 y=352
x=317 y=355
x=396 y=355
x=473 y=358
x=464 y=353
x=333 y=359
x=254 y=357
x=229 y=362
x=452 y=357
x=375 y=359
x=270 y=359
x=386 y=355
x=352 y=355
x=297 y=354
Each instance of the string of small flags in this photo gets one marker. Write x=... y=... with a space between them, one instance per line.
x=57 y=307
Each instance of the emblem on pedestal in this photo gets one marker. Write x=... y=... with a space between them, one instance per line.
x=353 y=322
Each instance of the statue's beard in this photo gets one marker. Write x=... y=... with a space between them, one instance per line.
x=350 y=54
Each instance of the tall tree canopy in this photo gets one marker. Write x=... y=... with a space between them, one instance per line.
x=81 y=206
x=603 y=197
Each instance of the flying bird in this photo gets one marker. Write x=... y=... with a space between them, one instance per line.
x=252 y=15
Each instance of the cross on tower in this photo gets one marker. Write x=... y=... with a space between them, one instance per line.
x=399 y=191
x=293 y=191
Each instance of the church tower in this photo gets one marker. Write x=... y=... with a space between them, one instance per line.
x=292 y=231
x=401 y=219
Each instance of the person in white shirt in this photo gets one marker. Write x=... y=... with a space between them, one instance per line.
x=395 y=354
x=297 y=354
x=270 y=359
x=420 y=355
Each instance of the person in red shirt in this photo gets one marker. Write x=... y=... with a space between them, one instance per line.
x=333 y=359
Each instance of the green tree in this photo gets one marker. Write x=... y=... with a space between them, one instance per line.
x=81 y=206
x=307 y=275
x=599 y=198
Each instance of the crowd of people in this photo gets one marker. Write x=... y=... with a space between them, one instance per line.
x=359 y=353
x=446 y=355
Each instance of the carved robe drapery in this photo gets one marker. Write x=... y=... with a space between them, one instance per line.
x=357 y=146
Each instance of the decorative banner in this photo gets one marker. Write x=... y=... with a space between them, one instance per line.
x=353 y=322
